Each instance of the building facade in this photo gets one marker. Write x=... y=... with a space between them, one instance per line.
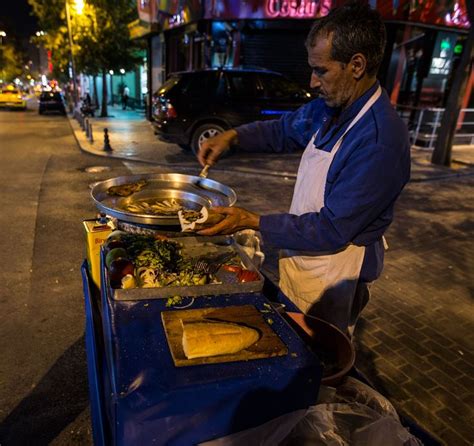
x=425 y=40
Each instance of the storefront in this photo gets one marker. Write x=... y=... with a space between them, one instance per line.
x=422 y=48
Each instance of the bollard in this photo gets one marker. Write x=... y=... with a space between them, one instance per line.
x=86 y=127
x=107 y=147
x=91 y=138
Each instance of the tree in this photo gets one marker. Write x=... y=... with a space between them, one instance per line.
x=101 y=39
x=105 y=40
x=11 y=62
x=52 y=20
x=442 y=150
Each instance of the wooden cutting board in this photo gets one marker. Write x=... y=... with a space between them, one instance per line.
x=267 y=346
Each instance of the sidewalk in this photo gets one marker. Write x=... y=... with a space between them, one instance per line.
x=415 y=340
x=131 y=138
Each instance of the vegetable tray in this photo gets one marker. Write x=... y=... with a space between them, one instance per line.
x=201 y=246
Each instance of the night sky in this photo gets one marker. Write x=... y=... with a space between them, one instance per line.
x=16 y=19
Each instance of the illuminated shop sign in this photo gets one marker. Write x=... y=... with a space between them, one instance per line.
x=442 y=56
x=291 y=8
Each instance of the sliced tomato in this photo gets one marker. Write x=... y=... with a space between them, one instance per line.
x=232 y=268
x=246 y=275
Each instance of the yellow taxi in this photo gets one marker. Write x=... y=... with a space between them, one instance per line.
x=11 y=97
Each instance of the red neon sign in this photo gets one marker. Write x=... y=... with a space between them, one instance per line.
x=50 y=61
x=291 y=8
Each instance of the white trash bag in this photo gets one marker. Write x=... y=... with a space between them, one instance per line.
x=353 y=414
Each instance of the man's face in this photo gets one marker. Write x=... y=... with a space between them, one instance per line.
x=332 y=79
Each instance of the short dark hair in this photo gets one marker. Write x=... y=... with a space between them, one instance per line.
x=355 y=28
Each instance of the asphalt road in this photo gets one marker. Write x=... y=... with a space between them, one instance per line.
x=43 y=378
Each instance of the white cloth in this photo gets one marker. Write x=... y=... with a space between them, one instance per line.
x=329 y=279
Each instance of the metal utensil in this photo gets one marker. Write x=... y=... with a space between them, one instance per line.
x=205 y=171
x=211 y=263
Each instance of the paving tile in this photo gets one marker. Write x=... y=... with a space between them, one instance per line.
x=427 y=419
x=448 y=354
x=419 y=376
x=391 y=389
x=388 y=340
x=468 y=399
x=454 y=421
x=368 y=339
x=435 y=336
x=445 y=366
x=388 y=369
x=452 y=438
x=451 y=401
x=416 y=360
x=464 y=365
x=446 y=381
x=411 y=344
x=424 y=396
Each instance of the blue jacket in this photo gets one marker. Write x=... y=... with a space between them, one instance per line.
x=366 y=176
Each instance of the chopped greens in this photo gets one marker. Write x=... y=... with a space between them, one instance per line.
x=160 y=263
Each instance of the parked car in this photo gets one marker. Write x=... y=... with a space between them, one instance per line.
x=51 y=101
x=11 y=97
x=193 y=106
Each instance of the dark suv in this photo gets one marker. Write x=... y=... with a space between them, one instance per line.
x=51 y=101
x=193 y=106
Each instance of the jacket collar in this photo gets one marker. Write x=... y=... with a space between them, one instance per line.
x=331 y=127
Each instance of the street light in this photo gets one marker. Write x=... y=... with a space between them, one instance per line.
x=79 y=6
x=122 y=85
x=2 y=35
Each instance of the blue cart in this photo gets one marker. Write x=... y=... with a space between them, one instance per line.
x=139 y=397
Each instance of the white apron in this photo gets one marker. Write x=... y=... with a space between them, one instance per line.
x=322 y=284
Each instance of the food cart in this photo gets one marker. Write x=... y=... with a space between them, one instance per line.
x=147 y=386
x=143 y=389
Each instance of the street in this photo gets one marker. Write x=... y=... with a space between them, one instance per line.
x=43 y=380
x=415 y=340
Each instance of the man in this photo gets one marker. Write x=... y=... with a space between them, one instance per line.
x=356 y=163
x=125 y=94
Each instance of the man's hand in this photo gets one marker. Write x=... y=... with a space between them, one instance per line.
x=236 y=219
x=214 y=147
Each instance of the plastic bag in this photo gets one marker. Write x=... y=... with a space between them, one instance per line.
x=344 y=424
x=353 y=390
x=249 y=241
x=357 y=416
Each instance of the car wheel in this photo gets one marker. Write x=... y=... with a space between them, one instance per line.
x=204 y=132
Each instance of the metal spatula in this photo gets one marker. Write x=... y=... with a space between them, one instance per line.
x=205 y=171
x=202 y=176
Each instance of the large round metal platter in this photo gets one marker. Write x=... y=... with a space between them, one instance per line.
x=191 y=192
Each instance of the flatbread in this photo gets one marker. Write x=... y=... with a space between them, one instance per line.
x=204 y=339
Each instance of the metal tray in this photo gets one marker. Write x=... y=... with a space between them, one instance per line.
x=192 y=191
x=194 y=246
